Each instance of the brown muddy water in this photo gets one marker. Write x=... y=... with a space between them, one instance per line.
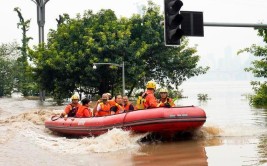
x=234 y=134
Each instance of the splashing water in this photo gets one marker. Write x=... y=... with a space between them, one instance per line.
x=208 y=132
x=113 y=140
x=31 y=126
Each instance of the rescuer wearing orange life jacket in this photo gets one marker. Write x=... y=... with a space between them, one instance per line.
x=127 y=105
x=103 y=106
x=84 y=110
x=71 y=109
x=164 y=100
x=150 y=99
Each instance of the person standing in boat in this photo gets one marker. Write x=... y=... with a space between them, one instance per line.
x=164 y=100
x=71 y=109
x=84 y=110
x=149 y=95
x=102 y=107
x=127 y=105
x=140 y=102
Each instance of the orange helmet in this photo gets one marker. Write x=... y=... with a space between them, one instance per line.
x=151 y=84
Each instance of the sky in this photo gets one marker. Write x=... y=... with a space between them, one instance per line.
x=217 y=48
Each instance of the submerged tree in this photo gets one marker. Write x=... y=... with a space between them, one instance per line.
x=25 y=83
x=259 y=69
x=65 y=64
x=8 y=56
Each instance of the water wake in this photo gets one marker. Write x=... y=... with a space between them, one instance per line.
x=31 y=126
x=10 y=126
x=229 y=131
x=113 y=140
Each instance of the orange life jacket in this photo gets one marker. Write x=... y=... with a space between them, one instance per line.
x=105 y=109
x=127 y=107
x=115 y=107
x=151 y=101
x=112 y=102
x=162 y=102
x=71 y=109
x=83 y=112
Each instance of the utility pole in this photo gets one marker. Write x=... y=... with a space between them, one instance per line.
x=40 y=4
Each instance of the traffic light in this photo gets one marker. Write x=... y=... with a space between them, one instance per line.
x=192 y=24
x=173 y=20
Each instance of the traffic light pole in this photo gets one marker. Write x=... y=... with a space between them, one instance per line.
x=235 y=25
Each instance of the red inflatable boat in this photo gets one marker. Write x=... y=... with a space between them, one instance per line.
x=157 y=120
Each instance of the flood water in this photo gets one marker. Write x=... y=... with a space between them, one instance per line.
x=235 y=134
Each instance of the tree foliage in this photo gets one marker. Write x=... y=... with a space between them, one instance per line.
x=8 y=55
x=259 y=69
x=65 y=63
x=25 y=83
x=259 y=99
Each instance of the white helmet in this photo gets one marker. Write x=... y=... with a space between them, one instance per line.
x=163 y=90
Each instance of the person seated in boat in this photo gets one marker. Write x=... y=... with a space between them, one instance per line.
x=102 y=107
x=116 y=105
x=84 y=110
x=164 y=100
x=71 y=109
x=99 y=101
x=111 y=99
x=150 y=100
x=127 y=105
x=109 y=96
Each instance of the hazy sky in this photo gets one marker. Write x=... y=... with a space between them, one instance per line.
x=217 y=40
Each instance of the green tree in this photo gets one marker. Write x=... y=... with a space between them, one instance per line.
x=8 y=55
x=71 y=50
x=259 y=69
x=25 y=83
x=65 y=63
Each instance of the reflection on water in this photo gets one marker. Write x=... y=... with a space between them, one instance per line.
x=259 y=116
x=184 y=153
x=234 y=134
x=262 y=149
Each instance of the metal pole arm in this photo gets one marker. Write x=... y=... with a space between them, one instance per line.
x=46 y=1
x=235 y=24
x=114 y=64
x=34 y=1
